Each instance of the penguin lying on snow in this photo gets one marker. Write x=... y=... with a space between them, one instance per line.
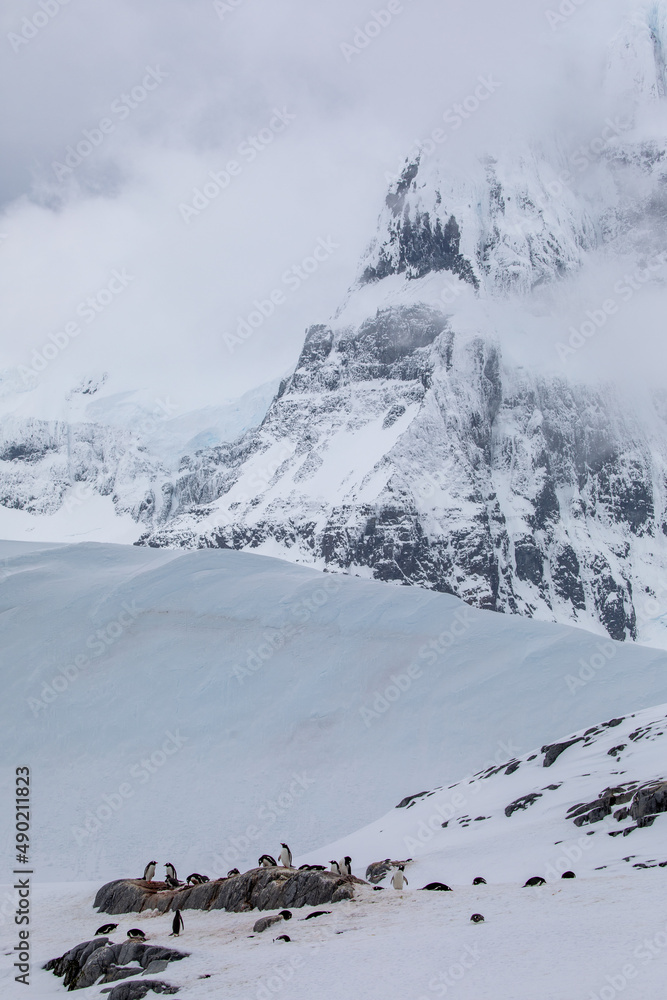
x=177 y=924
x=285 y=856
x=265 y=922
x=479 y=880
x=316 y=913
x=266 y=861
x=135 y=934
x=398 y=879
x=436 y=887
x=105 y=929
x=149 y=871
x=535 y=880
x=568 y=875
x=477 y=918
x=283 y=937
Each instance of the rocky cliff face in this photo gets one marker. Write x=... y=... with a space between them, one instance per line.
x=407 y=452
x=408 y=445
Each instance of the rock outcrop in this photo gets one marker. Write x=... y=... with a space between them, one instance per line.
x=258 y=889
x=100 y=961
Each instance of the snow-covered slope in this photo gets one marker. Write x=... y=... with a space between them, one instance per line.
x=593 y=801
x=201 y=707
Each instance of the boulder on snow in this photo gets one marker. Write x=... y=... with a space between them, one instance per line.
x=649 y=800
x=377 y=870
x=100 y=961
x=260 y=888
x=138 y=990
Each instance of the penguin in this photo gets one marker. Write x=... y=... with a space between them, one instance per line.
x=335 y=868
x=398 y=879
x=479 y=880
x=477 y=918
x=197 y=879
x=436 y=887
x=535 y=880
x=135 y=934
x=232 y=872
x=265 y=922
x=285 y=856
x=316 y=913
x=177 y=924
x=266 y=861
x=283 y=937
x=172 y=878
x=149 y=871
x=568 y=875
x=345 y=865
x=105 y=929
x=312 y=868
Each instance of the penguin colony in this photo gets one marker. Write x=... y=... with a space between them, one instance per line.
x=342 y=867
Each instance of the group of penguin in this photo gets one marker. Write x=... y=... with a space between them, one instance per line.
x=478 y=918
x=342 y=867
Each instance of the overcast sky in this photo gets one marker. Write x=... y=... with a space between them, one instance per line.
x=182 y=87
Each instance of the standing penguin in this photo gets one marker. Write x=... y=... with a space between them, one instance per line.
x=171 y=878
x=398 y=879
x=335 y=868
x=345 y=865
x=149 y=871
x=285 y=856
x=177 y=924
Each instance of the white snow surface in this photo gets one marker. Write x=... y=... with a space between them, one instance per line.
x=284 y=752
x=279 y=682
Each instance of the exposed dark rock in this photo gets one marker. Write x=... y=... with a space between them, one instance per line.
x=649 y=800
x=259 y=888
x=522 y=803
x=553 y=752
x=139 y=989
x=593 y=812
x=98 y=960
x=409 y=799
